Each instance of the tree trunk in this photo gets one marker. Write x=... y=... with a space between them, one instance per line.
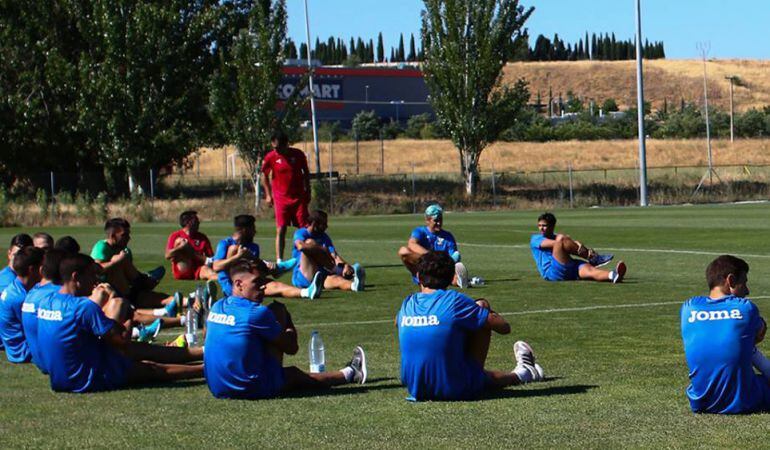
x=257 y=191
x=469 y=164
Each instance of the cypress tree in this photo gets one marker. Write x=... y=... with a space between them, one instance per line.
x=594 y=47
x=401 y=53
x=412 y=50
x=380 y=48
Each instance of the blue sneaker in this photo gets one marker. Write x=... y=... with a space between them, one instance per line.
x=359 y=278
x=174 y=307
x=157 y=273
x=148 y=333
x=600 y=260
x=316 y=285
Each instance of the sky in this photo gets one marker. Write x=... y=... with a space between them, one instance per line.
x=733 y=28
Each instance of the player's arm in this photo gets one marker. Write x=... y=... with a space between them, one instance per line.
x=286 y=342
x=762 y=331
x=235 y=252
x=117 y=337
x=176 y=247
x=415 y=247
x=112 y=262
x=495 y=321
x=265 y=181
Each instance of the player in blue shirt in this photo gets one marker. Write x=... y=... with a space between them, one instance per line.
x=7 y=275
x=433 y=237
x=444 y=339
x=318 y=258
x=246 y=341
x=48 y=286
x=241 y=247
x=553 y=254
x=720 y=333
x=84 y=343
x=26 y=264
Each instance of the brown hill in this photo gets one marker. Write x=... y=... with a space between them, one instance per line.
x=669 y=80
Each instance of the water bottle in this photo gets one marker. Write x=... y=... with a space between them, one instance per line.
x=191 y=327
x=317 y=356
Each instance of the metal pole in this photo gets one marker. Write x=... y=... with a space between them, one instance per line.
x=152 y=185
x=640 y=107
x=331 y=167
x=312 y=94
x=414 y=198
x=732 y=109
x=494 y=191
x=569 y=169
x=357 y=165
x=704 y=49
x=382 y=154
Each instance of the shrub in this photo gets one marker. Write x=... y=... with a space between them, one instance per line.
x=391 y=130
x=366 y=126
x=416 y=124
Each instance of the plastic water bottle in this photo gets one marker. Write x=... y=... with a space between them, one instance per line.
x=317 y=356
x=191 y=327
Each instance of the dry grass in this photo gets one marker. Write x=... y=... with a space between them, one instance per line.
x=664 y=79
x=440 y=156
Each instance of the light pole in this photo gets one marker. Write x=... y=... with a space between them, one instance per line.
x=397 y=103
x=367 y=94
x=312 y=96
x=640 y=108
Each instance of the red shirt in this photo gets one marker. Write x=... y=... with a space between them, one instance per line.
x=288 y=174
x=199 y=242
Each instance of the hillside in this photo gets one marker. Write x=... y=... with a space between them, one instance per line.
x=664 y=80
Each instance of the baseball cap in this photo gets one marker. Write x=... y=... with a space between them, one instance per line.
x=434 y=211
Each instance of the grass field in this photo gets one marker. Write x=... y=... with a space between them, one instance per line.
x=612 y=353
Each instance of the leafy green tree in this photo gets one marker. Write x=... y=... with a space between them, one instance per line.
x=468 y=41
x=610 y=105
x=416 y=124
x=366 y=126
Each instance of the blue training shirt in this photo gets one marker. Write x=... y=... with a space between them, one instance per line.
x=543 y=256
x=718 y=340
x=68 y=331
x=433 y=332
x=302 y=234
x=236 y=362
x=11 y=329
x=7 y=275
x=221 y=253
x=443 y=241
x=29 y=318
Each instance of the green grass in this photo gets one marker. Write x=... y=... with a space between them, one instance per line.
x=617 y=374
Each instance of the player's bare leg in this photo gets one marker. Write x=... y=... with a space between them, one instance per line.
x=280 y=242
x=140 y=351
x=148 y=372
x=207 y=273
x=338 y=282
x=278 y=289
x=589 y=272
x=565 y=247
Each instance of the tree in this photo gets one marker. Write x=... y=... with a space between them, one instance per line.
x=401 y=53
x=380 y=49
x=366 y=126
x=244 y=88
x=468 y=41
x=412 y=51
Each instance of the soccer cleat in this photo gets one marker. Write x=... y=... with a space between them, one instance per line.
x=148 y=333
x=525 y=358
x=461 y=272
x=174 y=307
x=210 y=293
x=598 y=260
x=359 y=278
x=358 y=364
x=157 y=273
x=619 y=273
x=316 y=286
x=180 y=341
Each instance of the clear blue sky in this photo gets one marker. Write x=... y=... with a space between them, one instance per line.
x=735 y=28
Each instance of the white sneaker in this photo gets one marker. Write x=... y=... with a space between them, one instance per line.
x=461 y=272
x=619 y=273
x=359 y=278
x=525 y=358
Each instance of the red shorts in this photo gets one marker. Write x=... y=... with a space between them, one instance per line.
x=291 y=212
x=190 y=273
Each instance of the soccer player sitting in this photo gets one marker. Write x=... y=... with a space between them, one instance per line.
x=434 y=237
x=246 y=341
x=7 y=275
x=188 y=250
x=42 y=240
x=84 y=343
x=553 y=254
x=49 y=284
x=720 y=333
x=26 y=264
x=241 y=247
x=444 y=339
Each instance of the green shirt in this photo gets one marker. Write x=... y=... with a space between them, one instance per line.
x=103 y=251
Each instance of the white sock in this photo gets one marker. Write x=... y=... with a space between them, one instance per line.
x=348 y=372
x=159 y=312
x=525 y=376
x=612 y=275
x=182 y=320
x=134 y=333
x=304 y=293
x=761 y=363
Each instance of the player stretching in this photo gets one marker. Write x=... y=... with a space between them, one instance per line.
x=444 y=339
x=433 y=236
x=553 y=254
x=720 y=333
x=188 y=250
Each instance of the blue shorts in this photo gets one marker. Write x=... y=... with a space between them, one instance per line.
x=269 y=383
x=563 y=272
x=475 y=382
x=299 y=280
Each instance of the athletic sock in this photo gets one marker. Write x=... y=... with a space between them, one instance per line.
x=134 y=333
x=348 y=372
x=159 y=312
x=285 y=265
x=612 y=275
x=761 y=362
x=525 y=376
x=303 y=293
x=182 y=320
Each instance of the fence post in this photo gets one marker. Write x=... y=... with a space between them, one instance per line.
x=357 y=166
x=382 y=154
x=414 y=194
x=494 y=190
x=152 y=184
x=331 y=168
x=569 y=168
x=240 y=193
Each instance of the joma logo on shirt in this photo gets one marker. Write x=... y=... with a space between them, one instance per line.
x=419 y=321
x=699 y=316
x=28 y=307
x=223 y=319
x=46 y=314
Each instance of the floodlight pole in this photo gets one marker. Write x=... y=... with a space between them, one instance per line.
x=312 y=96
x=640 y=107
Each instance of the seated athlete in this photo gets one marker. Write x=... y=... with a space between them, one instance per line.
x=26 y=264
x=720 y=333
x=553 y=254
x=189 y=250
x=444 y=339
x=68 y=244
x=433 y=237
x=7 y=275
x=241 y=247
x=42 y=240
x=317 y=257
x=246 y=341
x=49 y=284
x=84 y=343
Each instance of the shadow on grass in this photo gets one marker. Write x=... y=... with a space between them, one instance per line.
x=542 y=392
x=383 y=266
x=501 y=280
x=167 y=385
x=358 y=389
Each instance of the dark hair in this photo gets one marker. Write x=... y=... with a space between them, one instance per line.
x=116 y=222
x=549 y=218
x=25 y=258
x=51 y=261
x=244 y=221
x=43 y=235
x=436 y=270
x=186 y=217
x=68 y=245
x=21 y=240
x=280 y=137
x=316 y=216
x=77 y=263
x=722 y=266
x=245 y=266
